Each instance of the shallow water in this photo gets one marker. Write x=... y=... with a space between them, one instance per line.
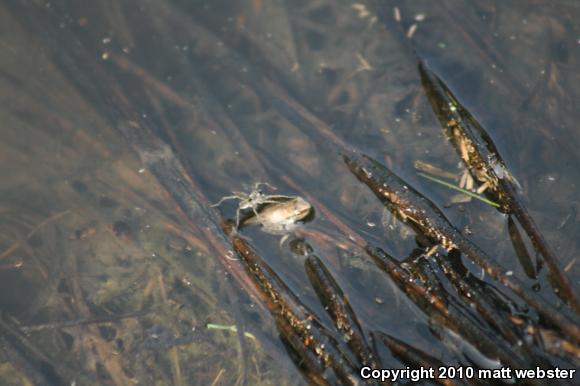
x=258 y=91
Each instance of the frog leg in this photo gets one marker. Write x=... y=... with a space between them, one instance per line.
x=283 y=240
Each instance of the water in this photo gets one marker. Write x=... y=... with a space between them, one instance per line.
x=257 y=91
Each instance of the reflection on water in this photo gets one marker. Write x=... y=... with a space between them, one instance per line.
x=121 y=122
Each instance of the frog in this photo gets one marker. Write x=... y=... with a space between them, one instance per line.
x=281 y=217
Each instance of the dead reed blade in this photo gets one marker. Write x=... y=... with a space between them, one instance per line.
x=426 y=218
x=482 y=159
x=298 y=326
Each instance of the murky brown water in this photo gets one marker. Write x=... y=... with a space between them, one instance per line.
x=256 y=91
